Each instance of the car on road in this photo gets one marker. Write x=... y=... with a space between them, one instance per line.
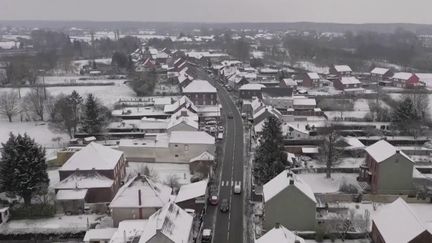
x=206 y=235
x=214 y=200
x=230 y=115
x=224 y=207
x=237 y=187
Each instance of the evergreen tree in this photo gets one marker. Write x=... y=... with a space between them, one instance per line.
x=270 y=158
x=95 y=115
x=23 y=168
x=405 y=117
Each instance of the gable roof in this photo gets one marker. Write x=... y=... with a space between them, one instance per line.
x=153 y=194
x=199 y=86
x=85 y=180
x=252 y=87
x=183 y=101
x=349 y=80
x=280 y=234
x=282 y=181
x=383 y=150
x=313 y=75
x=342 y=68
x=205 y=156
x=174 y=121
x=277 y=92
x=171 y=221
x=397 y=223
x=380 y=71
x=192 y=190
x=402 y=75
x=289 y=82
x=93 y=156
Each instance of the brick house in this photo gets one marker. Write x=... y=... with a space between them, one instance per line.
x=288 y=83
x=341 y=70
x=397 y=223
x=201 y=92
x=311 y=80
x=347 y=84
x=406 y=80
x=387 y=169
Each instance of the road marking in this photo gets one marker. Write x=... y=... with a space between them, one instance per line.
x=232 y=183
x=223 y=182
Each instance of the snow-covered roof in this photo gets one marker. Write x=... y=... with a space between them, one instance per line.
x=252 y=87
x=353 y=142
x=342 y=68
x=93 y=156
x=85 y=180
x=269 y=109
x=304 y=101
x=349 y=80
x=383 y=150
x=289 y=82
x=191 y=137
x=74 y=194
x=402 y=75
x=153 y=194
x=184 y=100
x=190 y=191
x=282 y=181
x=152 y=124
x=174 y=121
x=397 y=223
x=132 y=229
x=199 y=86
x=205 y=156
x=99 y=234
x=313 y=75
x=280 y=234
x=380 y=71
x=171 y=221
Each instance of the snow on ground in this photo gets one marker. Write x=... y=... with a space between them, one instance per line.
x=71 y=79
x=57 y=225
x=37 y=130
x=342 y=163
x=108 y=95
x=162 y=171
x=8 y=45
x=320 y=184
x=312 y=67
x=324 y=91
x=54 y=177
x=361 y=105
x=345 y=114
x=339 y=241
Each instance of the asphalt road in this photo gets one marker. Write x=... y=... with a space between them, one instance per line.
x=229 y=226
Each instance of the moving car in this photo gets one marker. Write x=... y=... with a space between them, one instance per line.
x=230 y=115
x=214 y=200
x=224 y=207
x=206 y=235
x=237 y=187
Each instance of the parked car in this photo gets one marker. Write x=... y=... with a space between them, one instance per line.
x=206 y=235
x=224 y=207
x=214 y=200
x=237 y=187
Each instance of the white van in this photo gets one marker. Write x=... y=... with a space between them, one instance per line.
x=237 y=187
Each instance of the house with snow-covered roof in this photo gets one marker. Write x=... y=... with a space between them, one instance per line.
x=311 y=80
x=201 y=92
x=348 y=84
x=261 y=115
x=93 y=174
x=183 y=103
x=387 y=169
x=280 y=234
x=341 y=70
x=397 y=223
x=406 y=80
x=192 y=196
x=170 y=224
x=139 y=198
x=289 y=201
x=379 y=74
x=247 y=91
x=288 y=83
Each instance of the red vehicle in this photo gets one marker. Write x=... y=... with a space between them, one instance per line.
x=214 y=200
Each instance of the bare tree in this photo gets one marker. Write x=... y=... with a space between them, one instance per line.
x=9 y=104
x=173 y=182
x=421 y=103
x=328 y=152
x=35 y=102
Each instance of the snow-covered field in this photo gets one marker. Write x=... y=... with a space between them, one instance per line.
x=361 y=105
x=72 y=79
x=56 y=225
x=320 y=184
x=36 y=130
x=108 y=95
x=312 y=67
x=345 y=114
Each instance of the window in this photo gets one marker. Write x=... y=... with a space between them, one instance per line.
x=186 y=147
x=176 y=155
x=176 y=145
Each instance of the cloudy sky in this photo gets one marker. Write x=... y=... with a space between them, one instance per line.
x=344 y=11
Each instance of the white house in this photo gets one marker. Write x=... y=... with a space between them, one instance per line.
x=280 y=234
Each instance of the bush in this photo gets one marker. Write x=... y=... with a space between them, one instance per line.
x=348 y=188
x=33 y=211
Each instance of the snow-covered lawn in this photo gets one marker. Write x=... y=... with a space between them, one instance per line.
x=342 y=163
x=361 y=105
x=36 y=130
x=75 y=79
x=320 y=184
x=162 y=171
x=57 y=225
x=345 y=114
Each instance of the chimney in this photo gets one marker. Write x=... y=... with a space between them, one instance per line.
x=397 y=151
x=277 y=225
x=291 y=181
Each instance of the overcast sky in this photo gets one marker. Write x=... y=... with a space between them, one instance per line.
x=343 y=11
